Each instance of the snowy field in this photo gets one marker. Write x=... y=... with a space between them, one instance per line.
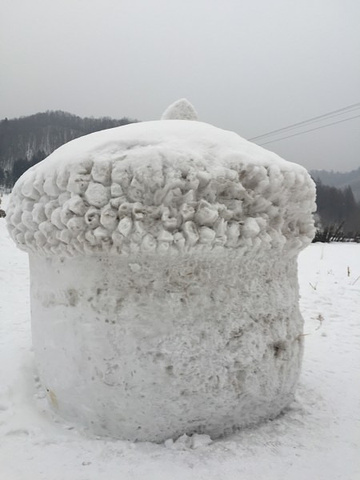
x=317 y=438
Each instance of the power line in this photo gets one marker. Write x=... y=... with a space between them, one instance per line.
x=334 y=113
x=311 y=130
x=329 y=115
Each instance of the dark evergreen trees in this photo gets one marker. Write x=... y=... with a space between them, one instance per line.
x=338 y=213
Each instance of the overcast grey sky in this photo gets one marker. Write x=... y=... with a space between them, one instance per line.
x=251 y=66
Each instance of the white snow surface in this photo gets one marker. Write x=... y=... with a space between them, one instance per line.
x=317 y=437
x=162 y=186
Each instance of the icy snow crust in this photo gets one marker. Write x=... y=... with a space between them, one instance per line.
x=164 y=186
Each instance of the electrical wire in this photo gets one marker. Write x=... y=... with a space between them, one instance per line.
x=311 y=130
x=327 y=116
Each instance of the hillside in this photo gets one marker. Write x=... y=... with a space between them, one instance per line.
x=339 y=180
x=27 y=140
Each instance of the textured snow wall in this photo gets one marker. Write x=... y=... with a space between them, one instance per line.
x=164 y=291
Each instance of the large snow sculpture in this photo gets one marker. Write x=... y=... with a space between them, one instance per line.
x=164 y=290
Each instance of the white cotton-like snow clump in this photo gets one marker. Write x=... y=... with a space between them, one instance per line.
x=164 y=293
x=158 y=187
x=180 y=110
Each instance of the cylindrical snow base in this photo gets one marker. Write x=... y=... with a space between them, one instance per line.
x=147 y=348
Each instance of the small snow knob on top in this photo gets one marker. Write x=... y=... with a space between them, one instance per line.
x=180 y=110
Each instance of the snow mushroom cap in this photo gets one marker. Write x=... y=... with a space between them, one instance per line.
x=162 y=187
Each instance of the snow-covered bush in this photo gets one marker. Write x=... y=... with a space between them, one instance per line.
x=163 y=277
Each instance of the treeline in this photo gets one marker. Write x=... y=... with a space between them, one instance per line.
x=339 y=179
x=338 y=214
x=59 y=119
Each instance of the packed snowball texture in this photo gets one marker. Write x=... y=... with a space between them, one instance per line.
x=164 y=292
x=163 y=186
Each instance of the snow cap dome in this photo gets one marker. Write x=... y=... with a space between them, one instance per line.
x=180 y=110
x=162 y=187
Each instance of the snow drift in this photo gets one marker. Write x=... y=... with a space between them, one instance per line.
x=164 y=289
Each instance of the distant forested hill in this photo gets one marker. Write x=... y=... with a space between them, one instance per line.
x=337 y=209
x=338 y=203
x=27 y=140
x=339 y=180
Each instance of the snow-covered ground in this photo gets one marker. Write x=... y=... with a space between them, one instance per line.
x=317 y=438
